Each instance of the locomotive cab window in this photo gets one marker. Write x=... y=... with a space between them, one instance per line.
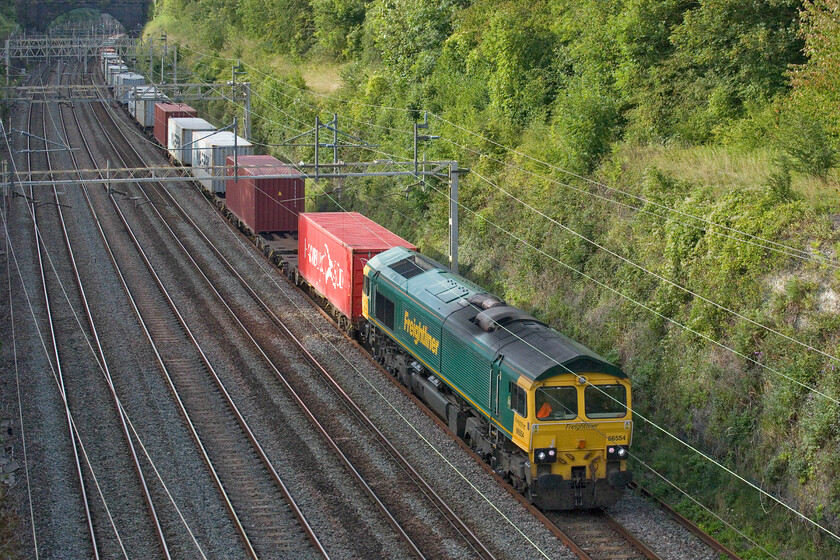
x=556 y=403
x=518 y=400
x=605 y=401
x=385 y=310
x=366 y=287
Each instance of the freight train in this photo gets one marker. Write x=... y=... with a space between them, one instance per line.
x=549 y=415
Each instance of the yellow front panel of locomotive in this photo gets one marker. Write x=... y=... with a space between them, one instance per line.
x=580 y=442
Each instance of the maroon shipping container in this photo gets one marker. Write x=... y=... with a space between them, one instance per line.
x=333 y=248
x=264 y=204
x=166 y=111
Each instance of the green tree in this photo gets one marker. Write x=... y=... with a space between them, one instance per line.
x=408 y=34
x=285 y=24
x=816 y=84
x=339 y=25
x=726 y=55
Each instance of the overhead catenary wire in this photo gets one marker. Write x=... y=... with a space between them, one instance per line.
x=782 y=247
x=55 y=360
x=26 y=464
x=791 y=339
x=710 y=225
x=653 y=273
x=288 y=157
x=661 y=278
x=415 y=429
x=231 y=100
x=632 y=300
x=73 y=428
x=696 y=502
x=263 y=266
x=698 y=333
x=646 y=419
x=695 y=450
x=649 y=421
x=350 y=362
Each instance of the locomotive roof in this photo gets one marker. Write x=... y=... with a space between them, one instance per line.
x=530 y=347
x=539 y=352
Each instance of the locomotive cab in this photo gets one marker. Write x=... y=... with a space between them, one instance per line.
x=579 y=429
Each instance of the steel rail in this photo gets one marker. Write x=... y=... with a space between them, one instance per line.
x=601 y=536
x=638 y=543
x=100 y=350
x=56 y=354
x=685 y=522
x=308 y=412
x=536 y=512
x=237 y=414
x=237 y=523
x=453 y=519
x=304 y=408
x=423 y=484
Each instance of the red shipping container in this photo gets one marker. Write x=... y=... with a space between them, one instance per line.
x=333 y=248
x=264 y=204
x=166 y=111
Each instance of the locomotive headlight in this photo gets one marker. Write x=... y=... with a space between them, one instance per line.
x=617 y=452
x=546 y=455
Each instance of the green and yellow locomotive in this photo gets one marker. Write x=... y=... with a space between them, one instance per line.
x=549 y=414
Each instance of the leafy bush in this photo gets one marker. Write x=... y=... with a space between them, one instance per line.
x=807 y=143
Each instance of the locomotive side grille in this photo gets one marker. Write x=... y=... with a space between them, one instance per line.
x=466 y=369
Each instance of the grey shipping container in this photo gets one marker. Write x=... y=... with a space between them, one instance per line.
x=141 y=104
x=108 y=63
x=212 y=153
x=106 y=57
x=113 y=71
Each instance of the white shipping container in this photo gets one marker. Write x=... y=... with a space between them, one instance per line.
x=213 y=150
x=142 y=105
x=180 y=132
x=125 y=82
x=106 y=57
x=144 y=109
x=113 y=71
x=106 y=65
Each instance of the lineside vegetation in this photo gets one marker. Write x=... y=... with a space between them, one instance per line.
x=655 y=178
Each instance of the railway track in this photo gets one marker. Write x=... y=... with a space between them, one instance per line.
x=368 y=474
x=103 y=359
x=260 y=507
x=36 y=157
x=597 y=536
